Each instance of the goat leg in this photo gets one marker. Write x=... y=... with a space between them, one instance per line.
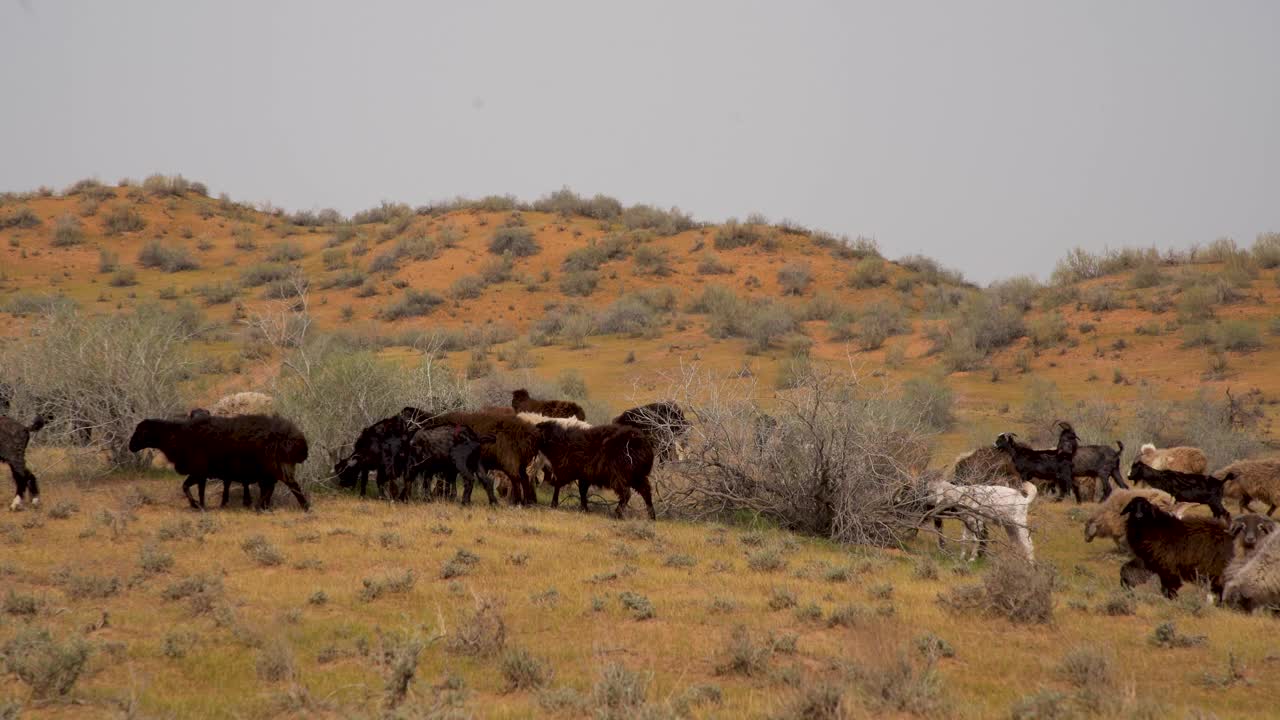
x=583 y=486
x=186 y=490
x=226 y=492
x=646 y=494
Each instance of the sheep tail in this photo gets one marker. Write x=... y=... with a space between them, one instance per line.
x=1030 y=490
x=1120 y=445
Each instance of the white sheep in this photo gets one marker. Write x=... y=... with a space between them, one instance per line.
x=1001 y=505
x=567 y=422
x=243 y=403
x=1255 y=583
x=1182 y=459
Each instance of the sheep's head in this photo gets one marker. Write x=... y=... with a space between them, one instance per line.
x=347 y=472
x=1138 y=469
x=1139 y=508
x=1004 y=441
x=519 y=396
x=144 y=435
x=1249 y=530
x=199 y=414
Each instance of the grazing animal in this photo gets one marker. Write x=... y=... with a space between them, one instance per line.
x=1001 y=505
x=1252 y=480
x=1107 y=522
x=1184 y=487
x=1093 y=461
x=1176 y=550
x=665 y=425
x=1053 y=465
x=514 y=448
x=243 y=403
x=1252 y=580
x=614 y=457
x=987 y=465
x=383 y=447
x=258 y=448
x=14 y=438
x=450 y=451
x=1182 y=458
x=521 y=402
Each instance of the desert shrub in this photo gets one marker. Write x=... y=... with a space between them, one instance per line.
x=285 y=252
x=1147 y=275
x=482 y=632
x=1013 y=588
x=579 y=284
x=566 y=202
x=931 y=399
x=49 y=667
x=105 y=373
x=733 y=234
x=524 y=671
x=497 y=269
x=1019 y=292
x=1048 y=330
x=1225 y=429
x=877 y=323
x=930 y=271
x=938 y=299
x=868 y=273
x=467 y=287
x=1196 y=303
x=390 y=584
x=767 y=322
x=745 y=655
x=795 y=277
x=264 y=273
x=663 y=222
x=261 y=551
x=156 y=254
x=90 y=188
x=518 y=241
x=413 y=303
x=1101 y=298
x=1238 y=336
x=629 y=315
x=124 y=277
x=67 y=231
x=384 y=212
x=710 y=264
x=621 y=693
x=122 y=219
x=898 y=685
x=1266 y=250
x=22 y=218
x=172 y=186
x=652 y=260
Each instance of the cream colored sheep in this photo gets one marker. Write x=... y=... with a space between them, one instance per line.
x=1182 y=459
x=1255 y=583
x=1107 y=522
x=1254 y=480
x=243 y=403
x=568 y=422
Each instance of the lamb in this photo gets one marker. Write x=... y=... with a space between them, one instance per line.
x=14 y=438
x=450 y=451
x=514 y=448
x=534 y=419
x=383 y=447
x=522 y=402
x=1182 y=458
x=1092 y=461
x=1176 y=550
x=1053 y=465
x=665 y=424
x=1252 y=480
x=1002 y=505
x=616 y=457
x=1184 y=487
x=1254 y=580
x=1107 y=522
x=262 y=448
x=243 y=403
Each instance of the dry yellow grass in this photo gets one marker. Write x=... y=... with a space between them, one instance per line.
x=556 y=578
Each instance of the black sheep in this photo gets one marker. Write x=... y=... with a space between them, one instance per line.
x=1053 y=465
x=449 y=452
x=1176 y=550
x=1184 y=487
x=665 y=425
x=226 y=482
x=383 y=447
x=265 y=449
x=14 y=438
x=614 y=457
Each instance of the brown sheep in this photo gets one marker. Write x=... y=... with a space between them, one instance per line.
x=1182 y=459
x=986 y=466
x=522 y=402
x=614 y=457
x=514 y=448
x=1177 y=550
x=1107 y=522
x=1254 y=480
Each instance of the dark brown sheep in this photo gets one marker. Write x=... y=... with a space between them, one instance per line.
x=1189 y=549
x=521 y=402
x=252 y=448
x=613 y=457
x=515 y=445
x=14 y=437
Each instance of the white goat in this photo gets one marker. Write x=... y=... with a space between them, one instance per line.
x=1001 y=505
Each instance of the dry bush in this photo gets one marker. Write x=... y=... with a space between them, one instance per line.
x=481 y=632
x=517 y=240
x=1013 y=588
x=837 y=459
x=67 y=231
x=794 y=278
x=122 y=218
x=49 y=667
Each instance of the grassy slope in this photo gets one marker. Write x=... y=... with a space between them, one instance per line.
x=995 y=661
x=687 y=640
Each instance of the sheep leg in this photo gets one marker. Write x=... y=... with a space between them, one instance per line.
x=246 y=498
x=583 y=487
x=555 y=497
x=937 y=529
x=1215 y=505
x=286 y=476
x=624 y=495
x=1245 y=502
x=186 y=490
x=364 y=482
x=20 y=478
x=1105 y=480
x=1169 y=585
x=226 y=492
x=646 y=494
x=530 y=495
x=267 y=486
x=1115 y=475
x=487 y=484
x=1020 y=536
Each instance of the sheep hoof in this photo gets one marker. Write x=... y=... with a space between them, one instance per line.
x=16 y=505
x=35 y=501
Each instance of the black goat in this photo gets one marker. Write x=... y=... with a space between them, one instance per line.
x=383 y=447
x=449 y=452
x=1095 y=461
x=265 y=449
x=14 y=438
x=665 y=425
x=1054 y=465
x=1184 y=487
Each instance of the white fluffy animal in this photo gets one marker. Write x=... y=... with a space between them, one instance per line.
x=571 y=422
x=1001 y=505
x=243 y=403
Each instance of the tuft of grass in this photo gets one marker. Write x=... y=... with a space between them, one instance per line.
x=67 y=231
x=170 y=259
x=744 y=655
x=639 y=605
x=49 y=667
x=620 y=693
x=766 y=560
x=781 y=598
x=414 y=303
x=482 y=632
x=930 y=645
x=261 y=551
x=524 y=671
x=374 y=588
x=847 y=616
x=1119 y=604
x=1087 y=666
x=21 y=605
x=680 y=561
x=898 y=685
x=1166 y=635
x=155 y=561
x=1013 y=588
x=460 y=564
x=85 y=587
x=517 y=240
x=275 y=661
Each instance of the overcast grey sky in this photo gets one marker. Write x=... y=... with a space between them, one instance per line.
x=990 y=135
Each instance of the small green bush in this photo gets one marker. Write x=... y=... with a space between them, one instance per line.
x=263 y=273
x=579 y=284
x=285 y=252
x=652 y=260
x=795 y=278
x=67 y=231
x=414 y=303
x=870 y=272
x=156 y=254
x=518 y=240
x=467 y=287
x=1239 y=336
x=710 y=264
x=49 y=667
x=122 y=219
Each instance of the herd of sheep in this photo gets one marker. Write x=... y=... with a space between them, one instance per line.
x=239 y=440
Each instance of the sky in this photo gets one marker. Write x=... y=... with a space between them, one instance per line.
x=992 y=136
